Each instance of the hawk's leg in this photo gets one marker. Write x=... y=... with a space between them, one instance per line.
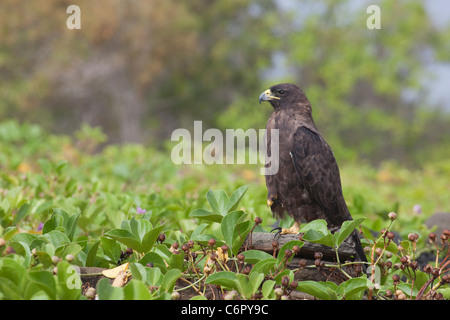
x=295 y=229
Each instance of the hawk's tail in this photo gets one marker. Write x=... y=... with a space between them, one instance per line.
x=359 y=249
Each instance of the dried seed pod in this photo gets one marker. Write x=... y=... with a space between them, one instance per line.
x=246 y=270
x=436 y=272
x=428 y=268
x=296 y=249
x=318 y=255
x=258 y=220
x=211 y=242
x=413 y=237
x=396 y=278
x=404 y=260
x=446 y=278
x=285 y=281
x=294 y=284
x=401 y=296
x=378 y=251
x=432 y=236
x=274 y=243
x=317 y=262
x=278 y=292
x=90 y=293
x=392 y=216
x=55 y=260
x=288 y=253
x=175 y=295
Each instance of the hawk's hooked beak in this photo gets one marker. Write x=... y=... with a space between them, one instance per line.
x=266 y=96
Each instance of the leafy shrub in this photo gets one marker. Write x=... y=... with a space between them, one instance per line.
x=63 y=208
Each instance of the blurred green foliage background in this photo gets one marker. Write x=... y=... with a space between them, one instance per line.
x=140 y=69
x=137 y=70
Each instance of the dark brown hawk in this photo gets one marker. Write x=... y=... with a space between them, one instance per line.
x=307 y=185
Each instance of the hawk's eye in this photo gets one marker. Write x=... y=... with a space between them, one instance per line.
x=281 y=91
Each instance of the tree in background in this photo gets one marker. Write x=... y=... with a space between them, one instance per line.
x=365 y=86
x=137 y=68
x=140 y=69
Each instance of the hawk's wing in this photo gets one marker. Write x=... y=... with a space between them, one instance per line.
x=318 y=172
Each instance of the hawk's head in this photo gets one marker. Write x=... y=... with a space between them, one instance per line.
x=283 y=95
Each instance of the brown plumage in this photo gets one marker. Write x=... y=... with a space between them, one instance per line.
x=307 y=185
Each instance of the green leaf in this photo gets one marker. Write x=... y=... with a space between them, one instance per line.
x=125 y=237
x=445 y=292
x=267 y=289
x=264 y=266
x=107 y=292
x=354 y=288
x=9 y=290
x=288 y=245
x=136 y=290
x=92 y=254
x=317 y=231
x=315 y=289
x=23 y=211
x=218 y=200
x=206 y=215
x=155 y=259
x=154 y=276
x=170 y=279
x=23 y=249
x=150 y=237
x=318 y=237
x=139 y=228
x=51 y=224
x=12 y=270
x=286 y=272
x=235 y=228
x=236 y=198
x=226 y=279
x=200 y=229
x=68 y=282
x=229 y=224
x=138 y=271
x=40 y=280
x=204 y=238
x=177 y=261
x=71 y=225
x=111 y=249
x=318 y=225
x=249 y=284
x=346 y=229
x=70 y=248
x=254 y=256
